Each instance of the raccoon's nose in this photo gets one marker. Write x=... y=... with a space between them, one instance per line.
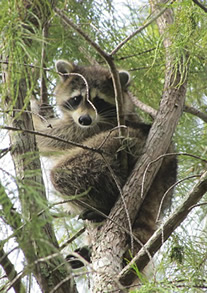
x=85 y=120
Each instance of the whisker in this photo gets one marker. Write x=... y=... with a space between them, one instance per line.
x=107 y=113
x=68 y=106
x=106 y=121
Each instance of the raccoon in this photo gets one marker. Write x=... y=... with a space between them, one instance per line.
x=82 y=116
x=85 y=97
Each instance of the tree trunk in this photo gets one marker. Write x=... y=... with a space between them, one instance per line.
x=110 y=241
x=39 y=245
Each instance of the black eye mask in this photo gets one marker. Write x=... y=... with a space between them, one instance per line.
x=102 y=105
x=73 y=102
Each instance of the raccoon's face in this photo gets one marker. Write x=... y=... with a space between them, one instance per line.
x=86 y=94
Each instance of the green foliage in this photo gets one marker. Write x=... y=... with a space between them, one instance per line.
x=183 y=264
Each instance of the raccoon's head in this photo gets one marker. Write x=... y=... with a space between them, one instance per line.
x=86 y=94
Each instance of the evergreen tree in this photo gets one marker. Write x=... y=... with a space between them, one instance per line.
x=163 y=45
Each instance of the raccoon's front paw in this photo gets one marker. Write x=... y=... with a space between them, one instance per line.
x=46 y=111
x=75 y=262
x=92 y=216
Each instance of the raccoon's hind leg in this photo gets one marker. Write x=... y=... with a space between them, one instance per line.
x=158 y=199
x=87 y=172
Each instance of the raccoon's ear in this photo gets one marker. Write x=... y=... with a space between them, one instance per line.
x=63 y=67
x=124 y=78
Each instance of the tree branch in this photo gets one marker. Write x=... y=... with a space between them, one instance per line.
x=152 y=112
x=43 y=73
x=70 y=23
x=109 y=60
x=158 y=14
x=200 y=5
x=11 y=272
x=167 y=228
x=11 y=216
x=144 y=107
x=158 y=142
x=195 y=112
x=69 y=142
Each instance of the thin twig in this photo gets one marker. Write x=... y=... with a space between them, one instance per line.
x=5 y=151
x=200 y=5
x=87 y=87
x=27 y=65
x=76 y=235
x=108 y=135
x=69 y=22
x=160 y=12
x=43 y=73
x=29 y=112
x=170 y=188
x=164 y=232
x=134 y=55
x=53 y=137
x=124 y=202
x=161 y=157
x=197 y=205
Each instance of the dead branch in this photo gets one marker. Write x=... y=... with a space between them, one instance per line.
x=172 y=187
x=136 y=54
x=161 y=157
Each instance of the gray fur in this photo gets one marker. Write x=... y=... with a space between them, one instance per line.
x=79 y=171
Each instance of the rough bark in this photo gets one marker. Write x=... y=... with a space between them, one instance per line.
x=110 y=242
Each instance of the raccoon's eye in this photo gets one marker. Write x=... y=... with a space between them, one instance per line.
x=75 y=101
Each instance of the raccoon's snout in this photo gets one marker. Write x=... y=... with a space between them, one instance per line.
x=85 y=120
